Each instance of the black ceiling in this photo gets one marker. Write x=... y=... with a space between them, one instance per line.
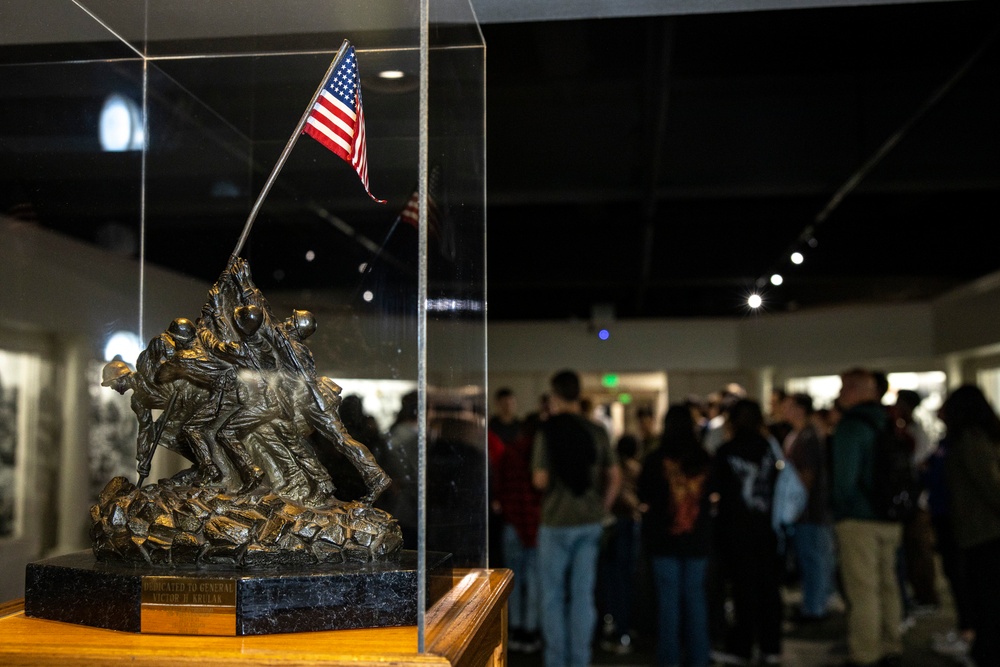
x=640 y=167
x=662 y=166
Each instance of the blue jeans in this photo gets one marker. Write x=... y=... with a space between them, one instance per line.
x=567 y=555
x=681 y=603
x=815 y=553
x=523 y=604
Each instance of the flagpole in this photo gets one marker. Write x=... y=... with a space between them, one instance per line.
x=284 y=156
x=371 y=263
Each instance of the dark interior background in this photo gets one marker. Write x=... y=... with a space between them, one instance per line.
x=637 y=166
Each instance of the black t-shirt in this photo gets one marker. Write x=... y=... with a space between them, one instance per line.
x=678 y=521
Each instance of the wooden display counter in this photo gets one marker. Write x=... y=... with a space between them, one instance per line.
x=466 y=628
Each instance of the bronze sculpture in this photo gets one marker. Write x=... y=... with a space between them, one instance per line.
x=240 y=399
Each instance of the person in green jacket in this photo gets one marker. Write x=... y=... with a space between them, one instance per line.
x=866 y=544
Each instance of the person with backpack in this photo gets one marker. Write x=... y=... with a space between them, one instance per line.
x=676 y=525
x=743 y=477
x=867 y=540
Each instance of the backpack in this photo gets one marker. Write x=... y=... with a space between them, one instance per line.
x=790 y=495
x=895 y=488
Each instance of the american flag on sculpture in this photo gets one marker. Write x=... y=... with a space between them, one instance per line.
x=337 y=119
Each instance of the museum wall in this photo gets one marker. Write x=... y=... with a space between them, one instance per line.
x=957 y=332
x=55 y=284
x=60 y=301
x=969 y=318
x=61 y=298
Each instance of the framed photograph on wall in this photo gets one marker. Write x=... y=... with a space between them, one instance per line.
x=13 y=374
x=8 y=459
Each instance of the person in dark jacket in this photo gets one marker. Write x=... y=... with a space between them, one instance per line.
x=972 y=471
x=743 y=475
x=953 y=642
x=676 y=536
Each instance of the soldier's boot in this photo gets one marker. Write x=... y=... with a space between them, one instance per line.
x=207 y=474
x=253 y=477
x=322 y=496
x=377 y=483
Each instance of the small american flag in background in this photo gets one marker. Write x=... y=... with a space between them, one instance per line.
x=411 y=212
x=337 y=119
x=439 y=225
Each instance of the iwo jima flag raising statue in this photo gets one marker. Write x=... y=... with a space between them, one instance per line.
x=240 y=399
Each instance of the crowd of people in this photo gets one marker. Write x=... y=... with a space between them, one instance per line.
x=681 y=511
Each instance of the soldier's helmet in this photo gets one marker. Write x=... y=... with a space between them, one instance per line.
x=248 y=319
x=304 y=322
x=182 y=330
x=114 y=370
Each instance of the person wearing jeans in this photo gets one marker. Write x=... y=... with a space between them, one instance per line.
x=567 y=557
x=815 y=552
x=574 y=465
x=520 y=509
x=523 y=605
x=676 y=527
x=680 y=589
x=813 y=533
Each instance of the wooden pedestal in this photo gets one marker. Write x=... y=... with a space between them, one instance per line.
x=466 y=628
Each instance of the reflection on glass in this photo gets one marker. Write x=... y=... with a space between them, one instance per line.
x=121 y=126
x=124 y=344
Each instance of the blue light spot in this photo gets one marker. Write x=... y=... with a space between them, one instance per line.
x=604 y=334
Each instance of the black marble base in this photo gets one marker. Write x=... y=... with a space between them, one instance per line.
x=76 y=588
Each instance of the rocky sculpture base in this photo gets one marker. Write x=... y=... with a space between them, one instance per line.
x=169 y=525
x=77 y=588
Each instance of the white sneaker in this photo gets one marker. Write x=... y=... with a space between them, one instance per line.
x=620 y=646
x=724 y=658
x=950 y=644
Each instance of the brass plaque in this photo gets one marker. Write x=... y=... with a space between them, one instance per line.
x=188 y=606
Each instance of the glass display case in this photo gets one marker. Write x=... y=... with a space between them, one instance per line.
x=137 y=137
